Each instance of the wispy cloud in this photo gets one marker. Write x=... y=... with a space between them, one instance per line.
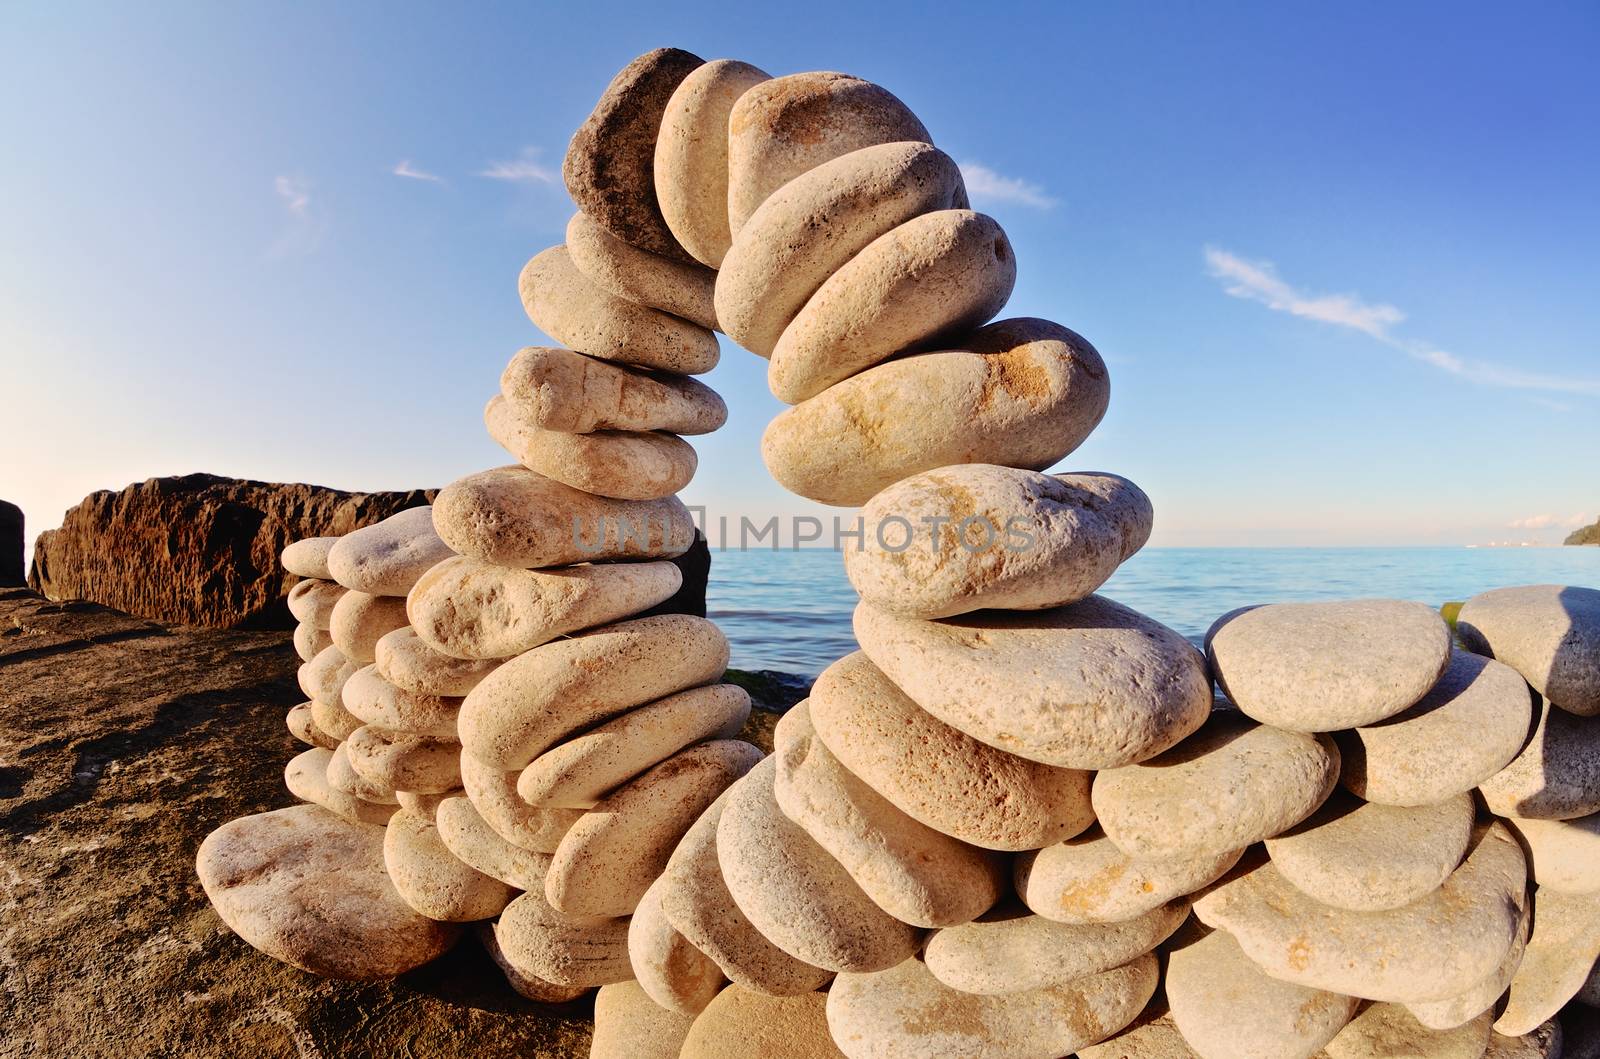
x=524 y=169
x=306 y=224
x=1539 y=522
x=985 y=184
x=296 y=195
x=405 y=169
x=1259 y=281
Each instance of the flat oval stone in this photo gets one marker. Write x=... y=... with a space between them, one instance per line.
x=493 y=792
x=577 y=312
x=360 y=620
x=310 y=641
x=567 y=950
x=472 y=841
x=938 y=775
x=610 y=163
x=581 y=771
x=411 y=664
x=404 y=761
x=306 y=777
x=1226 y=1007
x=741 y=1023
x=386 y=558
x=906 y=1011
x=615 y=851
x=310 y=889
x=323 y=677
x=1091 y=685
x=1370 y=858
x=1557 y=774
x=1010 y=951
x=1321 y=667
x=1153 y=1035
x=308 y=557
x=979 y=536
x=691 y=162
x=1563 y=855
x=941 y=273
x=1019 y=393
x=673 y=286
x=557 y=389
x=916 y=874
x=529 y=985
x=424 y=805
x=432 y=880
x=1388 y=1031
x=376 y=701
x=511 y=516
x=312 y=602
x=1230 y=784
x=620 y=464
x=810 y=226
x=1483 y=995
x=1548 y=633
x=672 y=972
x=303 y=726
x=787 y=126
x=540 y=698
x=331 y=716
x=628 y=1024
x=697 y=903
x=1087 y=879
x=1467 y=728
x=1432 y=949
x=474 y=609
x=797 y=895
x=341 y=777
x=1561 y=952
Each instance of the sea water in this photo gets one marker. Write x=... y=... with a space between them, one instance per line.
x=790 y=610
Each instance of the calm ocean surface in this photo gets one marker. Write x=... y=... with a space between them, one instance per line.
x=790 y=610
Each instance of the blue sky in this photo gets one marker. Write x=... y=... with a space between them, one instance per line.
x=1341 y=260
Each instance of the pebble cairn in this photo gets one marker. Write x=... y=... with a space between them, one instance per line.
x=1016 y=823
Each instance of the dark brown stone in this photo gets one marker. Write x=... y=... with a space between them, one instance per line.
x=10 y=545
x=198 y=549
x=610 y=164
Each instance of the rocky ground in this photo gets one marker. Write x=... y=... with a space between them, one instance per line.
x=125 y=742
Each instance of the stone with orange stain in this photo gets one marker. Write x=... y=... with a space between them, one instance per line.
x=539 y=698
x=982 y=536
x=942 y=273
x=609 y=858
x=1227 y=1007
x=741 y=1023
x=940 y=776
x=691 y=161
x=558 y=389
x=1018 y=393
x=905 y=1011
x=643 y=278
x=1432 y=949
x=818 y=221
x=784 y=127
x=1090 y=685
x=1230 y=784
x=473 y=609
x=577 y=312
x=915 y=873
x=1087 y=879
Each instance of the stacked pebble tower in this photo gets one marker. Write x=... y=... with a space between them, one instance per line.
x=985 y=832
